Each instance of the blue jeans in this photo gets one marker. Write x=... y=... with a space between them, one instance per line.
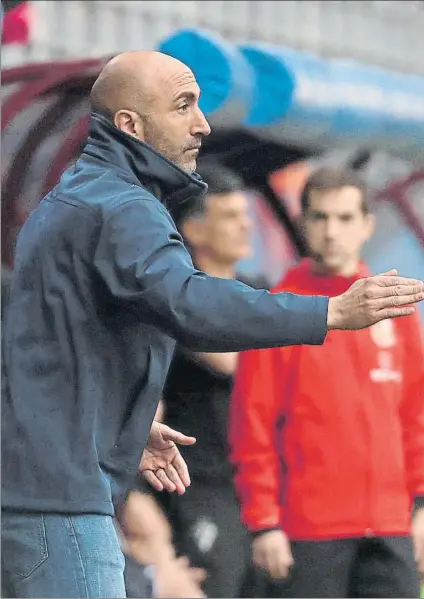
x=59 y=555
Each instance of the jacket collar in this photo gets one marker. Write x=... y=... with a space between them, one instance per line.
x=306 y=276
x=309 y=267
x=139 y=162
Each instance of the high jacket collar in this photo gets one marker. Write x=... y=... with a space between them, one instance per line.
x=139 y=162
x=307 y=274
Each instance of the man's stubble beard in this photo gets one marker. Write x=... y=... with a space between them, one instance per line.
x=155 y=137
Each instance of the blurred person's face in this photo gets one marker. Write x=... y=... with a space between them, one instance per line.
x=337 y=228
x=173 y=123
x=223 y=233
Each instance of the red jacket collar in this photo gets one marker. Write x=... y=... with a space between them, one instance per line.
x=305 y=276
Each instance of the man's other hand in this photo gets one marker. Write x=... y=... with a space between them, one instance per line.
x=271 y=552
x=373 y=299
x=162 y=464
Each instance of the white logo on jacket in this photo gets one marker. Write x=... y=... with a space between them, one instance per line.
x=384 y=336
x=385 y=372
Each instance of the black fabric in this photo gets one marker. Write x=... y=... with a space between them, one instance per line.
x=137 y=583
x=257 y=533
x=207 y=528
x=102 y=288
x=197 y=399
x=368 y=567
x=419 y=502
x=385 y=567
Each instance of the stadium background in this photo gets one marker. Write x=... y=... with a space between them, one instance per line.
x=287 y=86
x=301 y=54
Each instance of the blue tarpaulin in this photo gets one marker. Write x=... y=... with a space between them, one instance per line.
x=297 y=96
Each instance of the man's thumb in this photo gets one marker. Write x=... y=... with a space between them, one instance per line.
x=170 y=434
x=390 y=273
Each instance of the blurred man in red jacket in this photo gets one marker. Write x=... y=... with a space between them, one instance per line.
x=328 y=442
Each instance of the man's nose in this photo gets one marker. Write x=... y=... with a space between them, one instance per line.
x=331 y=229
x=201 y=125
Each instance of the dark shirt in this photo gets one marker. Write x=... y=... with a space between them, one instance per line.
x=103 y=287
x=197 y=399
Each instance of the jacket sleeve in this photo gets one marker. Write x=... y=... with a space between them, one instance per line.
x=412 y=408
x=256 y=412
x=141 y=258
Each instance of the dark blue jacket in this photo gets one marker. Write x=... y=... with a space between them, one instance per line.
x=103 y=287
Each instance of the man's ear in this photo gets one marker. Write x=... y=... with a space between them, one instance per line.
x=129 y=122
x=370 y=226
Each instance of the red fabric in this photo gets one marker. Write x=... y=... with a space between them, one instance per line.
x=16 y=24
x=328 y=441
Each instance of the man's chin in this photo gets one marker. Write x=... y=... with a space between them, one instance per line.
x=189 y=167
x=185 y=163
x=329 y=264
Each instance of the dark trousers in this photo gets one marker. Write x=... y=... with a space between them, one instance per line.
x=207 y=528
x=137 y=584
x=368 y=567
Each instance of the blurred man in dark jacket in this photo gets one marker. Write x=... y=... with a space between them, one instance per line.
x=103 y=287
x=206 y=521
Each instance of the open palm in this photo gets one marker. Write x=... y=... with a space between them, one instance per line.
x=162 y=464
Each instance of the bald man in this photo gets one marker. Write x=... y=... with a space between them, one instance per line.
x=102 y=290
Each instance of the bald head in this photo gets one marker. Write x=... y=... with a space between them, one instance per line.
x=154 y=98
x=133 y=80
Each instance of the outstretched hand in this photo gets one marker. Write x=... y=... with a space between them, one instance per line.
x=162 y=464
x=373 y=299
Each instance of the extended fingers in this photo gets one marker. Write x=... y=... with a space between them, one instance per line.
x=162 y=475
x=398 y=300
x=394 y=312
x=395 y=290
x=182 y=470
x=168 y=478
x=175 y=478
x=415 y=292
x=394 y=281
x=153 y=480
x=159 y=480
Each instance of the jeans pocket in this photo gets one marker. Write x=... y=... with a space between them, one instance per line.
x=24 y=543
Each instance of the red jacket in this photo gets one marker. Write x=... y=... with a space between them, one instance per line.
x=328 y=441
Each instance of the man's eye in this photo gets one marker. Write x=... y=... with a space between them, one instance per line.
x=183 y=108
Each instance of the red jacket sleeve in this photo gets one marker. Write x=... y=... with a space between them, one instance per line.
x=412 y=408
x=255 y=409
